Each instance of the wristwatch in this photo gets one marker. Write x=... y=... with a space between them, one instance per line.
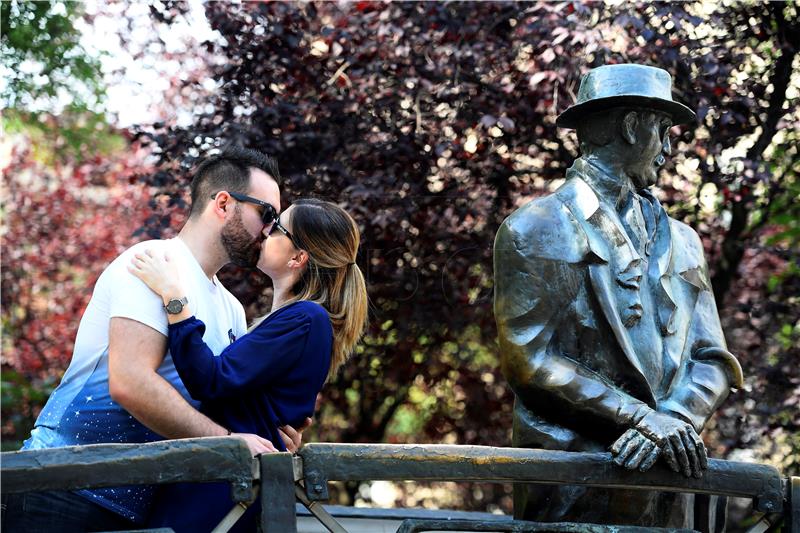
x=175 y=305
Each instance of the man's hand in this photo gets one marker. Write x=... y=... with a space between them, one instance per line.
x=257 y=445
x=633 y=450
x=682 y=447
x=293 y=437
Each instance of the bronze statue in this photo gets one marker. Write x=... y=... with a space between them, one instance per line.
x=609 y=334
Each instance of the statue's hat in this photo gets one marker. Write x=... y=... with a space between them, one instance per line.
x=624 y=85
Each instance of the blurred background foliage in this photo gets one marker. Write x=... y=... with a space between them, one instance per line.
x=430 y=123
x=47 y=71
x=44 y=63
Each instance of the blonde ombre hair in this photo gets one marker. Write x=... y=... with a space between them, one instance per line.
x=331 y=278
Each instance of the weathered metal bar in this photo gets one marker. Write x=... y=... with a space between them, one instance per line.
x=230 y=519
x=318 y=511
x=277 y=494
x=154 y=530
x=520 y=526
x=111 y=465
x=349 y=462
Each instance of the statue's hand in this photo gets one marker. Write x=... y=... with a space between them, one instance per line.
x=633 y=450
x=682 y=448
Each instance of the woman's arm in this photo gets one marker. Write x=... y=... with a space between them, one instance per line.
x=257 y=359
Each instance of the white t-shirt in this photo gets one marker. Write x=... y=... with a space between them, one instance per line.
x=81 y=410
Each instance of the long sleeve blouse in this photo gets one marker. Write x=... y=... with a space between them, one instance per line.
x=263 y=380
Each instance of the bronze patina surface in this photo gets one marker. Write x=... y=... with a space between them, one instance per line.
x=608 y=330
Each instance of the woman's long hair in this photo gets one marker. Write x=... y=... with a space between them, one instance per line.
x=331 y=278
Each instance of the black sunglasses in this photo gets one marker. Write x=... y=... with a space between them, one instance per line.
x=268 y=213
x=276 y=225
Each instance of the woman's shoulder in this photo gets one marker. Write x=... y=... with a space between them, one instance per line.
x=303 y=310
x=304 y=319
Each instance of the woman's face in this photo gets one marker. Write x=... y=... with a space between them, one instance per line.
x=277 y=250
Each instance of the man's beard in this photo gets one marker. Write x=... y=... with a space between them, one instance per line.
x=242 y=248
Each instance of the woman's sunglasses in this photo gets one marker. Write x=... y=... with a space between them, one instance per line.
x=276 y=225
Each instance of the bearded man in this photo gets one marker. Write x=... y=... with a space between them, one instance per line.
x=609 y=334
x=121 y=384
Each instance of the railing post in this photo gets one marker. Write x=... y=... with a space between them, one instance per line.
x=277 y=494
x=793 y=505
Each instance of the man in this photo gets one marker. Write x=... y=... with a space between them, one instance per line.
x=609 y=334
x=121 y=384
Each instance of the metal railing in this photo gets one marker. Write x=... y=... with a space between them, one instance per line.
x=281 y=479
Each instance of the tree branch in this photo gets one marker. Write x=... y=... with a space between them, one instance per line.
x=732 y=246
x=399 y=398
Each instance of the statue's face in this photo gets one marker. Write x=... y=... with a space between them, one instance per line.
x=651 y=146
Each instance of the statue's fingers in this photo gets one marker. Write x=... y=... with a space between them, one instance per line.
x=700 y=447
x=680 y=452
x=642 y=452
x=620 y=443
x=669 y=456
x=630 y=447
x=650 y=460
x=691 y=453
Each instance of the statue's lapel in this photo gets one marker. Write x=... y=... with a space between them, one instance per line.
x=600 y=274
x=675 y=282
x=607 y=239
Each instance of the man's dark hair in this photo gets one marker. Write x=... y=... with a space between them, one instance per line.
x=228 y=171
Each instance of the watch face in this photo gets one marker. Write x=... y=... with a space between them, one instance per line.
x=174 y=307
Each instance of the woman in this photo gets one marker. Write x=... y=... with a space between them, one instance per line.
x=271 y=376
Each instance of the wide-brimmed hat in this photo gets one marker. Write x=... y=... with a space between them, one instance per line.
x=625 y=85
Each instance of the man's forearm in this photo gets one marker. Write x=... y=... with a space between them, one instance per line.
x=135 y=353
x=160 y=407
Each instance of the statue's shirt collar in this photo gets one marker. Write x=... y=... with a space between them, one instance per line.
x=613 y=189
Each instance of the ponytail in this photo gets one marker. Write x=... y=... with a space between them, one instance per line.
x=351 y=318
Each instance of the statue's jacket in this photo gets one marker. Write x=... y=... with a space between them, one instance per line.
x=592 y=329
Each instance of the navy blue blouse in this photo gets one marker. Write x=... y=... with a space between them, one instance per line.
x=267 y=378
x=263 y=380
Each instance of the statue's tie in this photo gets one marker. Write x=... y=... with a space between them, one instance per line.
x=638 y=218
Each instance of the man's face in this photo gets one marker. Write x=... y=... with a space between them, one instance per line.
x=241 y=235
x=648 y=152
